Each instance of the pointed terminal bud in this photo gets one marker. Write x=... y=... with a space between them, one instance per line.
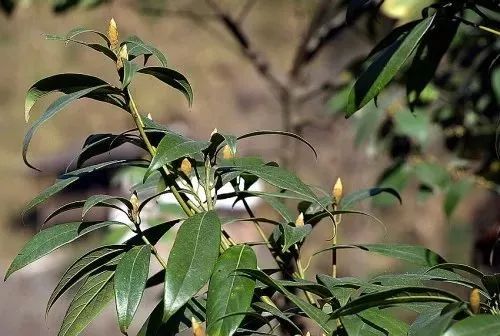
x=337 y=191
x=475 y=301
x=123 y=55
x=214 y=132
x=113 y=36
x=197 y=328
x=308 y=333
x=150 y=117
x=186 y=167
x=300 y=220
x=227 y=152
x=134 y=200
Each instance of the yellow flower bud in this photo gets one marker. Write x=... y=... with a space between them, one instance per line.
x=300 y=220
x=337 y=190
x=227 y=152
x=150 y=117
x=113 y=36
x=213 y=132
x=308 y=333
x=197 y=328
x=122 y=55
x=186 y=167
x=475 y=301
x=134 y=200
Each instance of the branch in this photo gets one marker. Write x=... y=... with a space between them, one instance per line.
x=256 y=59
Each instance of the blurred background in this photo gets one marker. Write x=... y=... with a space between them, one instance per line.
x=254 y=65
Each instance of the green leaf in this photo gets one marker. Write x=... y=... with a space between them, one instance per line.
x=287 y=134
x=415 y=254
x=129 y=283
x=360 y=195
x=172 y=78
x=65 y=83
x=395 y=296
x=476 y=325
x=89 y=301
x=373 y=322
x=51 y=111
x=277 y=313
x=229 y=292
x=173 y=147
x=83 y=267
x=455 y=193
x=385 y=66
x=51 y=239
x=191 y=260
x=96 y=200
x=280 y=178
x=292 y=234
x=136 y=47
x=280 y=207
x=343 y=288
x=81 y=30
x=49 y=192
x=434 y=323
x=129 y=70
x=95 y=46
x=427 y=57
x=314 y=313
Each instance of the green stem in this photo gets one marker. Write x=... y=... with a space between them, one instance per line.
x=152 y=151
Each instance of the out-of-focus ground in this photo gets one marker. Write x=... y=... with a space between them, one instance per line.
x=229 y=96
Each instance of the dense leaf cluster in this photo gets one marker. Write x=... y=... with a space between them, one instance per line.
x=208 y=276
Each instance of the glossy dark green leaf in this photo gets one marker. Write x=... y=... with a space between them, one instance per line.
x=280 y=178
x=360 y=195
x=192 y=259
x=49 y=192
x=153 y=234
x=96 y=200
x=314 y=313
x=292 y=235
x=414 y=254
x=229 y=292
x=427 y=57
x=129 y=283
x=97 y=144
x=173 y=147
x=383 y=69
x=51 y=111
x=92 y=297
x=136 y=47
x=476 y=325
x=282 y=133
x=105 y=165
x=461 y=267
x=396 y=296
x=343 y=288
x=52 y=238
x=83 y=267
x=79 y=204
x=372 y=322
x=65 y=83
x=171 y=78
